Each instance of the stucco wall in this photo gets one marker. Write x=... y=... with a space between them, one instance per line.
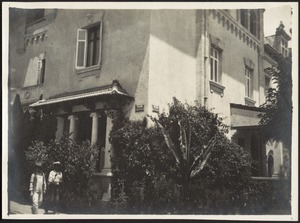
x=277 y=149
x=172 y=63
x=123 y=50
x=233 y=69
x=16 y=47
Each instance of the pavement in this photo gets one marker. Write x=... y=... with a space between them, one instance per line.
x=19 y=208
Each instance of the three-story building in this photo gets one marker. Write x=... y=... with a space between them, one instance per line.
x=79 y=64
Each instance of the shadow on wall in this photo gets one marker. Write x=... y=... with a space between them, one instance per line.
x=177 y=28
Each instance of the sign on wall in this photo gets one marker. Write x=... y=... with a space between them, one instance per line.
x=139 y=108
x=155 y=108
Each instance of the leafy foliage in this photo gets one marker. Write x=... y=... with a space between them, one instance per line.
x=78 y=164
x=16 y=142
x=143 y=160
x=278 y=106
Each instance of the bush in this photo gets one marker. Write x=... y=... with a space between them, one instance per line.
x=78 y=163
x=143 y=160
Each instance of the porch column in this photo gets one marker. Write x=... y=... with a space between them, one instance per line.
x=94 y=136
x=60 y=127
x=107 y=152
x=72 y=129
x=107 y=163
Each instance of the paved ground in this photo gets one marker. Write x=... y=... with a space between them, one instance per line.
x=18 y=208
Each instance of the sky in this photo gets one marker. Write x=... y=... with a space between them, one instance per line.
x=273 y=16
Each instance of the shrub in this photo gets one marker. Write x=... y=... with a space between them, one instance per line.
x=143 y=160
x=78 y=164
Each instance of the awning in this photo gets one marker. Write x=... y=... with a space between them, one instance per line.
x=114 y=89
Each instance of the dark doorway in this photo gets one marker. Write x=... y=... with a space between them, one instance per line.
x=84 y=130
x=270 y=163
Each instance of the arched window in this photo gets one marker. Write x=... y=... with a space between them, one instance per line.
x=270 y=163
x=244 y=17
x=253 y=23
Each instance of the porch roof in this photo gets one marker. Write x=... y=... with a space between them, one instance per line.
x=245 y=117
x=113 y=89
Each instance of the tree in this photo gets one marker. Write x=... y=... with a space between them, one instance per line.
x=278 y=107
x=78 y=164
x=16 y=155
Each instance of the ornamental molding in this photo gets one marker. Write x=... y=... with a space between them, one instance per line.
x=236 y=29
x=36 y=38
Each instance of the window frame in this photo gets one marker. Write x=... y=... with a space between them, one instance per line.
x=253 y=23
x=41 y=71
x=91 y=60
x=284 y=47
x=215 y=64
x=244 y=18
x=85 y=40
x=248 y=82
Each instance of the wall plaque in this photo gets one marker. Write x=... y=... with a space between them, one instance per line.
x=139 y=108
x=155 y=108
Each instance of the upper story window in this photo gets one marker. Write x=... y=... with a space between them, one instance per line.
x=34 y=15
x=88 y=46
x=244 y=17
x=215 y=59
x=250 y=20
x=41 y=71
x=248 y=84
x=284 y=47
x=253 y=23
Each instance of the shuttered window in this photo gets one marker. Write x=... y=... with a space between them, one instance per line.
x=81 y=48
x=88 y=46
x=41 y=71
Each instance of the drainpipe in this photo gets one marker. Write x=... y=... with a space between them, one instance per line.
x=206 y=53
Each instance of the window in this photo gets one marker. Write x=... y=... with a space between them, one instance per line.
x=267 y=83
x=34 y=15
x=214 y=64
x=88 y=46
x=253 y=22
x=284 y=48
x=244 y=17
x=248 y=75
x=41 y=71
x=250 y=20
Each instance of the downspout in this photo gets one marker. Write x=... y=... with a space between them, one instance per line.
x=205 y=59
